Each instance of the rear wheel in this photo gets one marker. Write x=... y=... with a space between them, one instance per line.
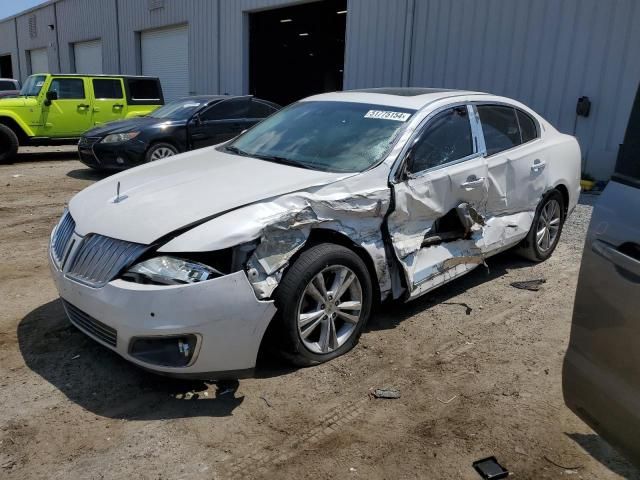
x=159 y=151
x=546 y=228
x=8 y=144
x=324 y=300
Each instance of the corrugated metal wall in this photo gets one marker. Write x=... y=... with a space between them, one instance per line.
x=545 y=53
x=40 y=37
x=8 y=45
x=83 y=20
x=201 y=16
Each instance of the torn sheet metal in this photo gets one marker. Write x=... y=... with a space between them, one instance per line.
x=355 y=208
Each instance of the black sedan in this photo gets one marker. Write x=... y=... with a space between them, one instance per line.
x=176 y=127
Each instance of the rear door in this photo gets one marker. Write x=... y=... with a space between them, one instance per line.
x=443 y=170
x=70 y=115
x=601 y=375
x=220 y=122
x=109 y=103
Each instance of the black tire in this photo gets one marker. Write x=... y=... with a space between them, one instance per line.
x=158 y=147
x=529 y=247
x=289 y=296
x=8 y=144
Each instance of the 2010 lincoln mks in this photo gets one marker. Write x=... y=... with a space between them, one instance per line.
x=307 y=220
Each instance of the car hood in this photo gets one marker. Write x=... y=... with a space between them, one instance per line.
x=17 y=102
x=182 y=191
x=122 y=126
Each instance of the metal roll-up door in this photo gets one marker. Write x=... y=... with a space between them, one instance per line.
x=39 y=60
x=165 y=54
x=88 y=56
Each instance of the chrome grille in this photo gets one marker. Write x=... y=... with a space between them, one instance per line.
x=90 y=325
x=100 y=259
x=61 y=237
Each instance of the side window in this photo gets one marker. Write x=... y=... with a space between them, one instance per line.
x=142 y=89
x=234 y=108
x=500 y=127
x=528 y=128
x=446 y=138
x=106 y=88
x=68 y=88
x=258 y=109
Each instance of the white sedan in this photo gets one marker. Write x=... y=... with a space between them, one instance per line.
x=306 y=221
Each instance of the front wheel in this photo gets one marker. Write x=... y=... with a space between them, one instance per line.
x=324 y=300
x=8 y=144
x=546 y=228
x=159 y=151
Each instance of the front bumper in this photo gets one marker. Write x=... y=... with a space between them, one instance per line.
x=224 y=313
x=111 y=156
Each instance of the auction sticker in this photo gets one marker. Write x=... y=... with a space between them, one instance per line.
x=388 y=115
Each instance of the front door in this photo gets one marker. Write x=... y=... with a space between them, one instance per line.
x=220 y=122
x=436 y=227
x=70 y=114
x=108 y=100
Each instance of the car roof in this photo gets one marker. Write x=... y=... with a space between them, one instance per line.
x=97 y=75
x=8 y=79
x=403 y=97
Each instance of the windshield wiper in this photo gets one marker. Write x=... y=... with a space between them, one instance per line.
x=236 y=150
x=282 y=160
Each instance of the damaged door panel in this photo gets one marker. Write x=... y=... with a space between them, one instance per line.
x=436 y=226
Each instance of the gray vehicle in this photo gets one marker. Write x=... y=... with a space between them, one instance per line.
x=601 y=374
x=9 y=87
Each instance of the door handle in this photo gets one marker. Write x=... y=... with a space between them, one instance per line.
x=538 y=166
x=473 y=182
x=118 y=105
x=83 y=106
x=615 y=256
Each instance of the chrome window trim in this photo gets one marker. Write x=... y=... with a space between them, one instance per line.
x=476 y=133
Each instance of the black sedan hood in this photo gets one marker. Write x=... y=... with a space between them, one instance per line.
x=122 y=126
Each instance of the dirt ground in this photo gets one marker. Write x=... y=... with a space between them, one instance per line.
x=478 y=364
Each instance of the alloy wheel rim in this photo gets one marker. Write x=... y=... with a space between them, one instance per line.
x=329 y=309
x=548 y=225
x=162 y=152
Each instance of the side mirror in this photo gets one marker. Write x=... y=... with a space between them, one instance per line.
x=50 y=97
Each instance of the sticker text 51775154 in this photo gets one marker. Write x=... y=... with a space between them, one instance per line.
x=388 y=115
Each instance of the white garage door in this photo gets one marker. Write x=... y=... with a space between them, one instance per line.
x=165 y=54
x=88 y=56
x=39 y=60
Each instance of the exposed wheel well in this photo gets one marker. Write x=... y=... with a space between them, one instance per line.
x=565 y=195
x=323 y=235
x=17 y=129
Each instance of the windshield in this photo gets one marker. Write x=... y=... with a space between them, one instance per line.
x=330 y=136
x=178 y=110
x=33 y=85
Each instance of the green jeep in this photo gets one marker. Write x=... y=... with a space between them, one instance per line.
x=58 y=109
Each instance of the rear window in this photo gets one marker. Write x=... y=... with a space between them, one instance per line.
x=144 y=91
x=500 y=127
x=105 y=88
x=6 y=85
x=528 y=128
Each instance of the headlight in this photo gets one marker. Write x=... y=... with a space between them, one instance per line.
x=120 y=137
x=172 y=271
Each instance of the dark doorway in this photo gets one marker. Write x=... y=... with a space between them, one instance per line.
x=297 y=51
x=6 y=69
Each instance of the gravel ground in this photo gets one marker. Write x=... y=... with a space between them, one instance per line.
x=477 y=363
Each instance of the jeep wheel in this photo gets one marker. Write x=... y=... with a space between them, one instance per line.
x=8 y=144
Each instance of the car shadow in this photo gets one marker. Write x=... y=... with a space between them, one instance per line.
x=89 y=174
x=604 y=453
x=102 y=382
x=390 y=314
x=42 y=156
